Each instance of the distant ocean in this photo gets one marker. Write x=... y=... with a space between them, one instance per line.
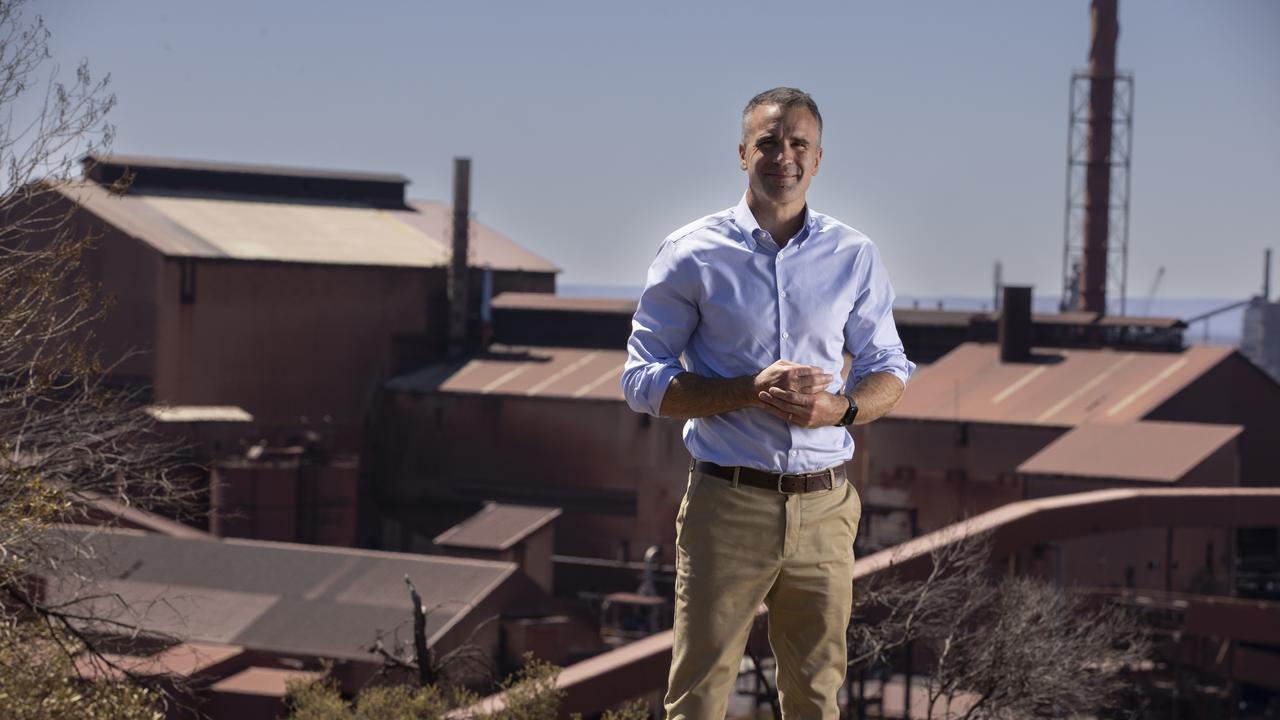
x=1221 y=329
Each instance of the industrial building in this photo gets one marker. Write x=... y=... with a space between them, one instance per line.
x=291 y=293
x=261 y=308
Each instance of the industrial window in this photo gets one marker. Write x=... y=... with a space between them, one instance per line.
x=187 y=287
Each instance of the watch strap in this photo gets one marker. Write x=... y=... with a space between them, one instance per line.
x=849 y=414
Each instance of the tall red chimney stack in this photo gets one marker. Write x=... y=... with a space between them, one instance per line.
x=1097 y=208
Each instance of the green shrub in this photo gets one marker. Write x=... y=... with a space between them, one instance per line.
x=39 y=682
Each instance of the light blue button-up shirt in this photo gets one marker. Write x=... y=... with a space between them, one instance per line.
x=722 y=294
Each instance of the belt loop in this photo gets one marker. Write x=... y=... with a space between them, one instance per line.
x=832 y=472
x=736 y=469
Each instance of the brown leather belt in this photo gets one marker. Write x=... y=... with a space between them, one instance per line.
x=785 y=483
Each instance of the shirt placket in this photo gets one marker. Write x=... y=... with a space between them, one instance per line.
x=782 y=266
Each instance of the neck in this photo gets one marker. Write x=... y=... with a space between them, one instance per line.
x=781 y=221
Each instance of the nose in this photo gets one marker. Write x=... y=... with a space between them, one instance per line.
x=785 y=154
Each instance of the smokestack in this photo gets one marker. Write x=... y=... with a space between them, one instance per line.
x=1014 y=331
x=998 y=282
x=1266 y=275
x=1097 y=190
x=458 y=262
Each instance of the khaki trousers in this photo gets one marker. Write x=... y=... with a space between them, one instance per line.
x=738 y=546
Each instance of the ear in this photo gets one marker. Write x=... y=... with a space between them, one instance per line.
x=742 y=156
x=817 y=161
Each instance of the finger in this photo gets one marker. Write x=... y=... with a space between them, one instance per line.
x=814 y=382
x=808 y=370
x=781 y=405
x=770 y=398
x=800 y=400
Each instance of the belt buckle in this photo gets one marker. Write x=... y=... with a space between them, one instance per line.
x=780 y=490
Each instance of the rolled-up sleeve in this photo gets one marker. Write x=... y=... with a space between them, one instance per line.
x=870 y=334
x=665 y=318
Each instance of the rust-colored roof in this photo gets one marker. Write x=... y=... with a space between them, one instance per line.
x=184 y=660
x=935 y=318
x=1147 y=451
x=109 y=510
x=538 y=372
x=497 y=527
x=270 y=682
x=1061 y=387
x=250 y=228
x=924 y=316
x=1083 y=317
x=548 y=301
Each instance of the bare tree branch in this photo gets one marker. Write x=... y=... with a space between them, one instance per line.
x=66 y=434
x=998 y=646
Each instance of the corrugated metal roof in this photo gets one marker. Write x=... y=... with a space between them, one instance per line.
x=1062 y=388
x=924 y=316
x=245 y=228
x=539 y=372
x=548 y=301
x=497 y=527
x=948 y=318
x=1148 y=451
x=488 y=247
x=145 y=161
x=268 y=682
x=181 y=660
x=273 y=596
x=1082 y=317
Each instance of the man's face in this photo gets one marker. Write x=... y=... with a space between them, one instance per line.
x=781 y=150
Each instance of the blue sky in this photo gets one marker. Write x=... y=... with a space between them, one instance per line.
x=596 y=128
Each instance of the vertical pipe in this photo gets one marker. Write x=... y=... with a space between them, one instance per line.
x=998 y=282
x=1266 y=275
x=486 y=307
x=1015 y=328
x=1097 y=203
x=458 y=261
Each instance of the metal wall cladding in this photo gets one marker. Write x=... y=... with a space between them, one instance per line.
x=290 y=501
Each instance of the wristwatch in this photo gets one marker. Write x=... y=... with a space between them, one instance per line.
x=849 y=414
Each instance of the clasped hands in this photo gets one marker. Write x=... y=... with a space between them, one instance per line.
x=797 y=394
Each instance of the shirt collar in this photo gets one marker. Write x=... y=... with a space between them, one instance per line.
x=751 y=229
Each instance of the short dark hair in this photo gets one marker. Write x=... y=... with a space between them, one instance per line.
x=784 y=98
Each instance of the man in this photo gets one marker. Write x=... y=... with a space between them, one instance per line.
x=763 y=300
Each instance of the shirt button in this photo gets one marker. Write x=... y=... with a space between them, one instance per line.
x=794 y=452
x=784 y=293
x=785 y=336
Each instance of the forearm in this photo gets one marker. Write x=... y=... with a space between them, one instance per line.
x=693 y=396
x=875 y=395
